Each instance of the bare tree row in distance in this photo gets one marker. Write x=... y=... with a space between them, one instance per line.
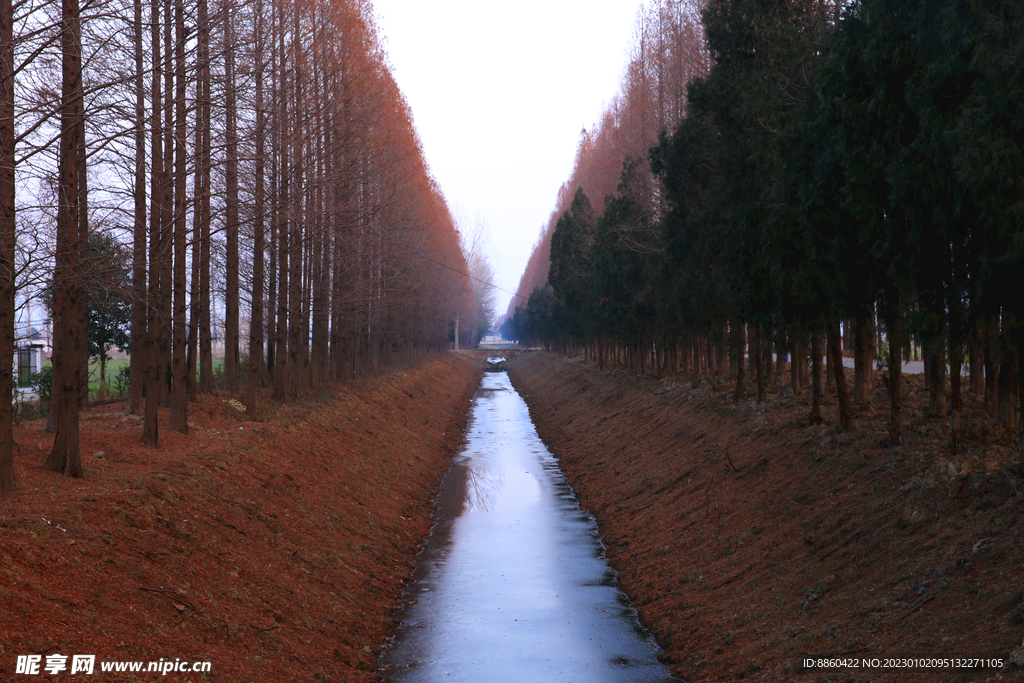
x=668 y=52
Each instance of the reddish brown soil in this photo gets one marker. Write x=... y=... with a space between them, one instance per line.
x=748 y=539
x=275 y=549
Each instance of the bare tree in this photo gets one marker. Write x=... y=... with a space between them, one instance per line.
x=150 y=427
x=259 y=243
x=138 y=329
x=7 y=243
x=65 y=456
x=179 y=385
x=231 y=208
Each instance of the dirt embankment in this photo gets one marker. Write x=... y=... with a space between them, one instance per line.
x=748 y=539
x=276 y=549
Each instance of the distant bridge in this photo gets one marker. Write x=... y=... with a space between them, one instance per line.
x=486 y=343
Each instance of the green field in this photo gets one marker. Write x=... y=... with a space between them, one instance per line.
x=114 y=366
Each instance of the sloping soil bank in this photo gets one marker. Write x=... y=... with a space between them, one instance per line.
x=276 y=550
x=750 y=541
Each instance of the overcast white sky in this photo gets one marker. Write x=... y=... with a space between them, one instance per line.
x=499 y=93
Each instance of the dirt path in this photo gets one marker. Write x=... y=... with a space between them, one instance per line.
x=749 y=540
x=276 y=550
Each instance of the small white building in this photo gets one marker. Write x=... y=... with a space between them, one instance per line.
x=31 y=351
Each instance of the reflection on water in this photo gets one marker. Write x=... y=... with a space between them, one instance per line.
x=512 y=586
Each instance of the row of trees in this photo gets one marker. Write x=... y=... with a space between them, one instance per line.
x=842 y=170
x=260 y=164
x=668 y=52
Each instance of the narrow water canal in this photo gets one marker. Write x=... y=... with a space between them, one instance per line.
x=512 y=586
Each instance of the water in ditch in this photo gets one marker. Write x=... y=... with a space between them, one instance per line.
x=512 y=585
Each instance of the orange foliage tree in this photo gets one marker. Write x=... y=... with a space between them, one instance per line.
x=668 y=52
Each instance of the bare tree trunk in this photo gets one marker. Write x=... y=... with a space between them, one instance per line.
x=956 y=363
x=65 y=456
x=894 y=323
x=739 y=344
x=928 y=359
x=830 y=369
x=204 y=162
x=150 y=430
x=803 y=367
x=179 y=386
x=231 y=294
x=1008 y=381
x=935 y=369
x=721 y=349
x=138 y=330
x=192 y=336
x=757 y=357
x=712 y=360
x=835 y=350
x=321 y=265
x=280 y=389
x=308 y=222
x=339 y=365
x=794 y=363
x=259 y=246
x=296 y=344
x=201 y=192
x=87 y=263
x=165 y=265
x=295 y=281
x=205 y=351
x=332 y=265
x=1020 y=403
x=816 y=378
x=271 y=322
x=780 y=359
x=976 y=359
x=863 y=354
x=990 y=339
x=7 y=244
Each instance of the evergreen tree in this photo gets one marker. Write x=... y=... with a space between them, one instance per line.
x=624 y=260
x=570 y=275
